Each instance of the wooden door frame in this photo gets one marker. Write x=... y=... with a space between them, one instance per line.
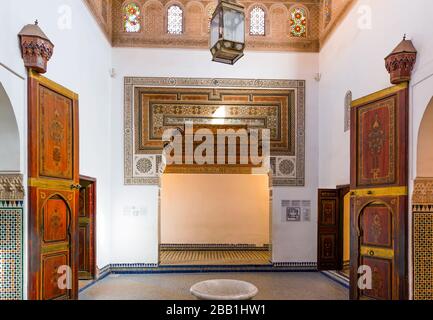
x=343 y=190
x=392 y=194
x=338 y=194
x=93 y=181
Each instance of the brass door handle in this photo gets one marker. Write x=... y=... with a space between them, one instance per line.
x=75 y=186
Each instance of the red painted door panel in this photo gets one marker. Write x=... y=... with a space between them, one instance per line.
x=53 y=195
x=379 y=184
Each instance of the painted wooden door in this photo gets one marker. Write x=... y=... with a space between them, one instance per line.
x=86 y=229
x=329 y=231
x=53 y=190
x=379 y=207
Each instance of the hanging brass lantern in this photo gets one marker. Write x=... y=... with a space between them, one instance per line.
x=227 y=32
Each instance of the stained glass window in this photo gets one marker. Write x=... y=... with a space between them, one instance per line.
x=327 y=12
x=347 y=105
x=257 y=21
x=211 y=9
x=174 y=20
x=298 y=22
x=131 y=19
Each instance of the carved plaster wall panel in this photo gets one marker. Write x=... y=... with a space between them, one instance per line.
x=11 y=236
x=11 y=187
x=155 y=104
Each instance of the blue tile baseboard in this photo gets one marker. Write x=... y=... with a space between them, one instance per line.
x=212 y=246
x=151 y=268
x=335 y=276
x=296 y=265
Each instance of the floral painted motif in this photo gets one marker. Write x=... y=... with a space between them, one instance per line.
x=298 y=23
x=132 y=18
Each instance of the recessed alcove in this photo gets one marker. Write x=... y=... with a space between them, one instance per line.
x=209 y=212
x=217 y=213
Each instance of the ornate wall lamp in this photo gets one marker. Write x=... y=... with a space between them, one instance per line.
x=401 y=61
x=36 y=48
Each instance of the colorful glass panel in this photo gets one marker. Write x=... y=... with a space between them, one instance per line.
x=131 y=19
x=298 y=23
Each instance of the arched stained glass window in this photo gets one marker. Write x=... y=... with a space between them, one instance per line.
x=327 y=12
x=211 y=9
x=347 y=105
x=132 y=18
x=257 y=21
x=174 y=20
x=298 y=22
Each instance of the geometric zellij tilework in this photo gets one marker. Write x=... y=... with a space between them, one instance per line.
x=11 y=250
x=423 y=254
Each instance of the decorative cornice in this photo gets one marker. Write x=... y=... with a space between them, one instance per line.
x=11 y=187
x=99 y=9
x=196 y=33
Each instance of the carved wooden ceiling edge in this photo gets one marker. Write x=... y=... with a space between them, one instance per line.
x=338 y=18
x=108 y=16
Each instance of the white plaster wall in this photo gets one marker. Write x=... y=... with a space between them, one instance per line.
x=215 y=209
x=135 y=238
x=81 y=62
x=353 y=59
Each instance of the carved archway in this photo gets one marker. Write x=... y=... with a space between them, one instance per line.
x=425 y=150
x=9 y=135
x=422 y=211
x=11 y=203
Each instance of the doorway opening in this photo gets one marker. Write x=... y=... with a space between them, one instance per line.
x=87 y=231
x=215 y=220
x=334 y=231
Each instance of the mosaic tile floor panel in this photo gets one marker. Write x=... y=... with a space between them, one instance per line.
x=217 y=257
x=272 y=286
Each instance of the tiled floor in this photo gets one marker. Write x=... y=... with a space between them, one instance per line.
x=84 y=283
x=272 y=286
x=214 y=257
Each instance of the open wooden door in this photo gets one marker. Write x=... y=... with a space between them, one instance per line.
x=330 y=228
x=379 y=203
x=329 y=235
x=53 y=190
x=87 y=229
